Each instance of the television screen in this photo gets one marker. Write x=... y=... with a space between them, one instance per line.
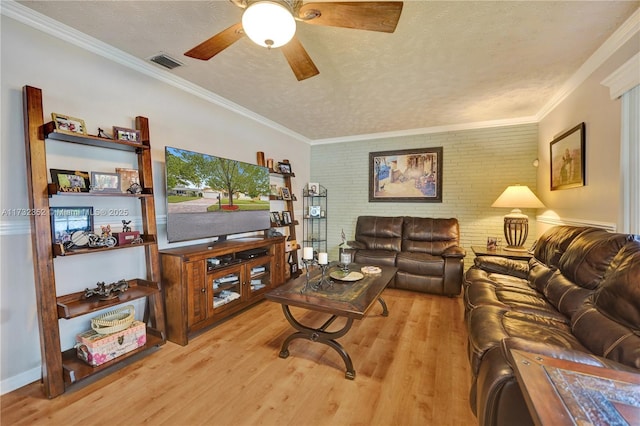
x=209 y=196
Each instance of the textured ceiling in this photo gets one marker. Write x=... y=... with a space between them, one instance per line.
x=448 y=63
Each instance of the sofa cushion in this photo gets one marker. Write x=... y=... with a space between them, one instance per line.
x=376 y=257
x=380 y=233
x=420 y=263
x=589 y=255
x=488 y=325
x=553 y=243
x=609 y=322
x=502 y=265
x=581 y=269
x=428 y=235
x=539 y=274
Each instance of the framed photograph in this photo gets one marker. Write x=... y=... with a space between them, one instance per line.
x=127 y=135
x=410 y=175
x=70 y=180
x=285 y=193
x=286 y=217
x=315 y=211
x=67 y=220
x=567 y=159
x=284 y=168
x=128 y=177
x=70 y=125
x=105 y=182
x=275 y=218
x=313 y=188
x=492 y=243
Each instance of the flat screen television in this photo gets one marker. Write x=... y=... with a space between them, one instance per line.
x=209 y=196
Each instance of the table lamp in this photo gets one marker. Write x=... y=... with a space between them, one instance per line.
x=516 y=224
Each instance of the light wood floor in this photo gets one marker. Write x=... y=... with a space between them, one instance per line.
x=411 y=369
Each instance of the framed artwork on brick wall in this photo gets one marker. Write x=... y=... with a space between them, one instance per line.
x=409 y=175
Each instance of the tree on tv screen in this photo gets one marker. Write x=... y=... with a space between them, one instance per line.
x=220 y=174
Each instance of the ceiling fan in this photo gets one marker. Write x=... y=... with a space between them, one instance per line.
x=272 y=23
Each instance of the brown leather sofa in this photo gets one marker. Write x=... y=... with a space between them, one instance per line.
x=426 y=251
x=578 y=298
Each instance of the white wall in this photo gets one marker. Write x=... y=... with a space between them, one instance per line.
x=598 y=201
x=103 y=93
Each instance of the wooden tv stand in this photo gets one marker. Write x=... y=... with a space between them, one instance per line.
x=206 y=283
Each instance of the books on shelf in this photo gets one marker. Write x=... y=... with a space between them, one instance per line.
x=225 y=297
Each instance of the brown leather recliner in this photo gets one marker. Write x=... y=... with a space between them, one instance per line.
x=426 y=251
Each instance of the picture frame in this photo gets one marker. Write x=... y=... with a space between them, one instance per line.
x=275 y=218
x=409 y=175
x=315 y=211
x=126 y=135
x=285 y=193
x=284 y=168
x=567 y=158
x=105 y=182
x=128 y=177
x=69 y=125
x=313 y=188
x=286 y=217
x=70 y=180
x=67 y=220
x=492 y=243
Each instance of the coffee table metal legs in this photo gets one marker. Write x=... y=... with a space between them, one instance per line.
x=385 y=311
x=321 y=335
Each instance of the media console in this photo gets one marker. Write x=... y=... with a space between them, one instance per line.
x=204 y=284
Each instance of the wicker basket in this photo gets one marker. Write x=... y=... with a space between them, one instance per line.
x=113 y=321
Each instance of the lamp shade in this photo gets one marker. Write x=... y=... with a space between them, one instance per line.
x=268 y=24
x=518 y=196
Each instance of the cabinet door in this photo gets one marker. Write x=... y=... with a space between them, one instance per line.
x=225 y=289
x=196 y=291
x=258 y=275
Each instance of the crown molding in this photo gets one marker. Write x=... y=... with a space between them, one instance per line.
x=624 y=78
x=623 y=34
x=430 y=130
x=61 y=31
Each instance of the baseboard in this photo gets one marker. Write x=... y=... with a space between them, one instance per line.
x=20 y=380
x=554 y=221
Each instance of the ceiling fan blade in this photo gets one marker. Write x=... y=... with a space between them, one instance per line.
x=368 y=15
x=299 y=60
x=216 y=44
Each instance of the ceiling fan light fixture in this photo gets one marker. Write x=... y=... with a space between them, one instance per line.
x=268 y=24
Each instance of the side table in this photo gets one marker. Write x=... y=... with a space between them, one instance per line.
x=517 y=255
x=562 y=392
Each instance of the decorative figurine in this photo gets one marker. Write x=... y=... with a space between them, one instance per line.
x=125 y=226
x=107 y=292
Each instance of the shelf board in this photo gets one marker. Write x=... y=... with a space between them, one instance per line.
x=51 y=133
x=74 y=304
x=59 y=251
x=278 y=173
x=75 y=369
x=53 y=189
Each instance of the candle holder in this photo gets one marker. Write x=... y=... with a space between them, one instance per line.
x=323 y=283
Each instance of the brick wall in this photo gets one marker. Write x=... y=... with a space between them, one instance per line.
x=477 y=166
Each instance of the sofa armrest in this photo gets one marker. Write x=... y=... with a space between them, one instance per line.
x=503 y=265
x=356 y=245
x=455 y=251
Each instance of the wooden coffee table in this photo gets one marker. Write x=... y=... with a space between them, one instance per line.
x=351 y=300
